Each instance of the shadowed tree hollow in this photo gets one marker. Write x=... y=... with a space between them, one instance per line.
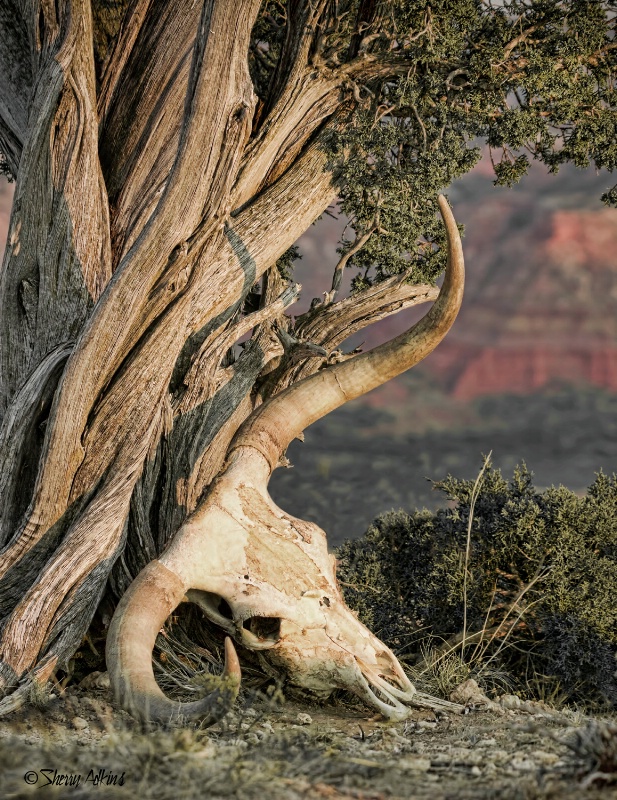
x=167 y=155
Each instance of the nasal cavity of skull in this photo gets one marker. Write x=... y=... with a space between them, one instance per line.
x=224 y=608
x=264 y=628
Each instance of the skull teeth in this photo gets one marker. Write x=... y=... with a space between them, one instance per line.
x=381 y=694
x=393 y=709
x=388 y=688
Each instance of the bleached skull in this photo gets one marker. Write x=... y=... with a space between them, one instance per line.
x=282 y=596
x=268 y=580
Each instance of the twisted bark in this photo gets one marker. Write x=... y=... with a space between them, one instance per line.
x=149 y=202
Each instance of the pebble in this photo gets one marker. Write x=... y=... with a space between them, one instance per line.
x=476 y=771
x=95 y=680
x=266 y=727
x=509 y=701
x=79 y=723
x=237 y=743
x=394 y=734
x=469 y=692
x=523 y=764
x=415 y=764
x=544 y=758
x=487 y=743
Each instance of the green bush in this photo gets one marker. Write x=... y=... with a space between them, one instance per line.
x=532 y=592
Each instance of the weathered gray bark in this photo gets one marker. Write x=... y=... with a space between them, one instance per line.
x=16 y=84
x=150 y=199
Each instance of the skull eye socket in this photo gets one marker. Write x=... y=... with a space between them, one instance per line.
x=215 y=607
x=264 y=628
x=257 y=633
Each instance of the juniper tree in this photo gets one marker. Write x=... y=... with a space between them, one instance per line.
x=167 y=155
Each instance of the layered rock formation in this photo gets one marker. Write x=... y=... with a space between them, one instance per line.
x=541 y=299
x=544 y=310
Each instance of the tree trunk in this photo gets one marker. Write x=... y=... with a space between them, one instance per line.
x=151 y=197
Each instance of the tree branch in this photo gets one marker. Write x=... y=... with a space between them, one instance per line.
x=18 y=438
x=295 y=200
x=205 y=375
x=283 y=417
x=300 y=97
x=365 y=18
x=305 y=106
x=122 y=49
x=332 y=324
x=301 y=31
x=329 y=325
x=141 y=104
x=337 y=277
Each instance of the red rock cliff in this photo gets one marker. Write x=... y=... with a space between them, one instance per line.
x=544 y=312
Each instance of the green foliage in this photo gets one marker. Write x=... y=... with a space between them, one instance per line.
x=285 y=263
x=541 y=580
x=428 y=83
x=5 y=170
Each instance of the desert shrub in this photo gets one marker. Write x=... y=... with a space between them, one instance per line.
x=532 y=593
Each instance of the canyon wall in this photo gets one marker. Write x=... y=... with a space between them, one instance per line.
x=545 y=311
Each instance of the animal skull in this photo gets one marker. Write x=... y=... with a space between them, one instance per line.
x=271 y=585
x=268 y=581
x=263 y=576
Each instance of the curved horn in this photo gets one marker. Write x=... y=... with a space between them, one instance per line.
x=149 y=600
x=275 y=424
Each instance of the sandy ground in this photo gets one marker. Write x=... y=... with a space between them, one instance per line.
x=79 y=745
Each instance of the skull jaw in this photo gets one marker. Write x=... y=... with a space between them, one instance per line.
x=315 y=662
x=379 y=697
